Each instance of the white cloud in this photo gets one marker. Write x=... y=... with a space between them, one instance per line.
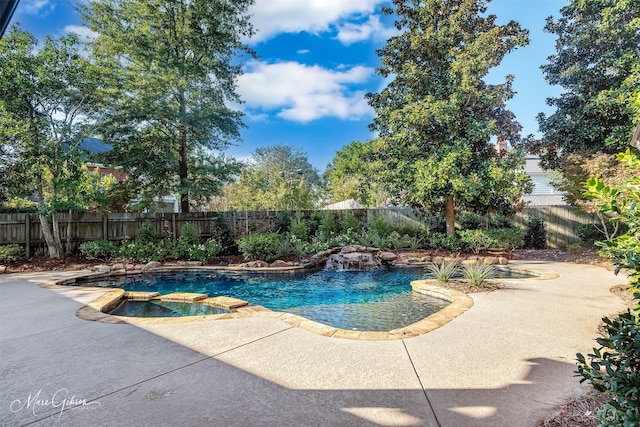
x=36 y=7
x=350 y=32
x=303 y=93
x=83 y=32
x=303 y=51
x=271 y=17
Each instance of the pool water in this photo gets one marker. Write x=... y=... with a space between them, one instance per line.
x=379 y=300
x=157 y=308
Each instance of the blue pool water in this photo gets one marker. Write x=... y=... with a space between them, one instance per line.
x=378 y=300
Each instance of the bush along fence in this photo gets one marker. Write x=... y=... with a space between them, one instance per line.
x=76 y=228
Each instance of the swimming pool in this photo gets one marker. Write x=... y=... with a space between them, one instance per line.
x=379 y=300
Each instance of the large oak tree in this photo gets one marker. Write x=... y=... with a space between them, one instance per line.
x=437 y=118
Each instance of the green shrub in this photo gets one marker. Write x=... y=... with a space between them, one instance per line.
x=189 y=235
x=573 y=247
x=101 y=249
x=147 y=234
x=470 y=221
x=221 y=233
x=283 y=222
x=143 y=252
x=476 y=240
x=265 y=246
x=451 y=242
x=347 y=222
x=508 y=238
x=299 y=227
x=442 y=240
x=373 y=239
x=477 y=274
x=205 y=252
x=327 y=224
x=444 y=272
x=10 y=253
x=435 y=223
x=589 y=234
x=500 y=221
x=535 y=236
x=183 y=247
x=614 y=370
x=378 y=225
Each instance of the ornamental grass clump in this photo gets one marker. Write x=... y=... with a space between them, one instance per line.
x=444 y=272
x=478 y=274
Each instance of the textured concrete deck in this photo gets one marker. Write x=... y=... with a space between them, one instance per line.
x=508 y=361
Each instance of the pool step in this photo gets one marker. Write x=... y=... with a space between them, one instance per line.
x=140 y=296
x=225 y=302
x=183 y=297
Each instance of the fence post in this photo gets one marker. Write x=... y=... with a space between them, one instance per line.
x=174 y=227
x=105 y=227
x=27 y=235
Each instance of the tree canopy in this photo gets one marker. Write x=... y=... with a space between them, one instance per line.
x=48 y=98
x=174 y=79
x=437 y=117
x=350 y=176
x=597 y=63
x=278 y=177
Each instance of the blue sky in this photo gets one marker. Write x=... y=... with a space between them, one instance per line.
x=317 y=60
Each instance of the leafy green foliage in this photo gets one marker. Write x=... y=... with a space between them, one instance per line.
x=101 y=249
x=143 y=252
x=597 y=64
x=266 y=246
x=299 y=227
x=445 y=241
x=477 y=240
x=621 y=204
x=444 y=272
x=535 y=236
x=221 y=233
x=614 y=370
x=470 y=220
x=478 y=274
x=278 y=177
x=49 y=96
x=173 y=78
x=185 y=244
x=10 y=253
x=437 y=116
x=351 y=175
x=147 y=233
x=347 y=222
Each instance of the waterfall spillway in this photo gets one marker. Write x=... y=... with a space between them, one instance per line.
x=354 y=259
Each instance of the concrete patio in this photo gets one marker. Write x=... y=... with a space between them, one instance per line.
x=508 y=361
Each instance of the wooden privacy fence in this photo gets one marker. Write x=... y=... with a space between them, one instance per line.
x=24 y=229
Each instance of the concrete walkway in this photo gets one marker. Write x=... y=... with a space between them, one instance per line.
x=508 y=361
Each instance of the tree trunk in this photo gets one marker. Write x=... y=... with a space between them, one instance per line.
x=56 y=234
x=183 y=167
x=450 y=216
x=44 y=221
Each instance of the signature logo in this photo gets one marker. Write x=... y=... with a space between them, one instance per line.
x=61 y=400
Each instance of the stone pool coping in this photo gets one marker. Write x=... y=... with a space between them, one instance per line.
x=97 y=310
